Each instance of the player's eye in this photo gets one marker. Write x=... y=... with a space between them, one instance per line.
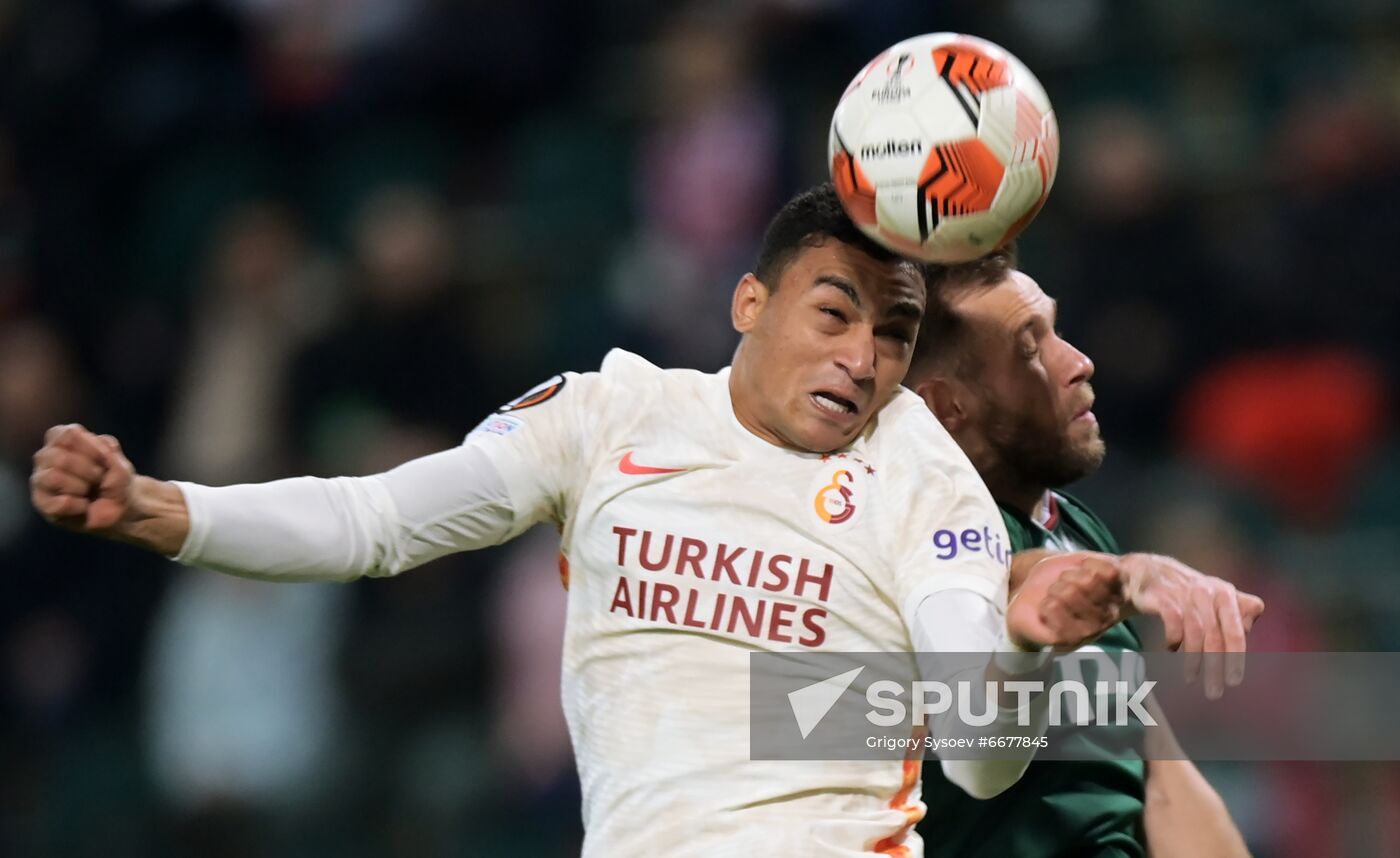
x=834 y=313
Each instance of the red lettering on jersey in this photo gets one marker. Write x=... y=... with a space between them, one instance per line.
x=682 y=605
x=719 y=612
x=691 y=600
x=725 y=562
x=658 y=565
x=778 y=622
x=823 y=580
x=622 y=598
x=692 y=552
x=753 y=621
x=780 y=575
x=622 y=534
x=754 y=568
x=663 y=598
x=809 y=622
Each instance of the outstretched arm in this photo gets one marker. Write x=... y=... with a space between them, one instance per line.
x=293 y=530
x=512 y=471
x=1205 y=617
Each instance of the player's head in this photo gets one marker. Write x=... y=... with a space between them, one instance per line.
x=1013 y=393
x=828 y=319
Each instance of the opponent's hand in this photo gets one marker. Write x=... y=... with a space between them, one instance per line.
x=81 y=480
x=1067 y=600
x=1205 y=617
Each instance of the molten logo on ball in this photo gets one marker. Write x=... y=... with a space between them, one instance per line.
x=892 y=147
x=947 y=154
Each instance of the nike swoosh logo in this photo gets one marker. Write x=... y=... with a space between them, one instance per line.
x=627 y=466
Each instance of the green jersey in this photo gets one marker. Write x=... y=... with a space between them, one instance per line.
x=1057 y=808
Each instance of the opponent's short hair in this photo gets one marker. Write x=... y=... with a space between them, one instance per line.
x=807 y=220
x=941 y=346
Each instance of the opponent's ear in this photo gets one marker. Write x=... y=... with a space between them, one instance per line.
x=750 y=297
x=946 y=398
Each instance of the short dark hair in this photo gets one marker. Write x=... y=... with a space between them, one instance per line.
x=807 y=220
x=940 y=347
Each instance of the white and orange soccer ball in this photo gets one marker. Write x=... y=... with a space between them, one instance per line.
x=944 y=147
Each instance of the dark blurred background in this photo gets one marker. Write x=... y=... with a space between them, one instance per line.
x=255 y=238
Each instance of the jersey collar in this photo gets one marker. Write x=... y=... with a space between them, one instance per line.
x=1046 y=514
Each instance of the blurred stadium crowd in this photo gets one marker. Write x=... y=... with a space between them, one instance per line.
x=256 y=238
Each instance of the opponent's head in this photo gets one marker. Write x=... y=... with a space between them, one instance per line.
x=828 y=319
x=1011 y=391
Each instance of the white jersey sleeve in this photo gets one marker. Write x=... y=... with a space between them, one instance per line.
x=950 y=534
x=952 y=563
x=545 y=442
x=960 y=621
x=524 y=464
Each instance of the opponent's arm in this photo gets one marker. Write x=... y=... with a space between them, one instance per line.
x=1183 y=815
x=1205 y=617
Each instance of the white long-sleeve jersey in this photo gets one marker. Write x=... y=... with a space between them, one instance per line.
x=688 y=543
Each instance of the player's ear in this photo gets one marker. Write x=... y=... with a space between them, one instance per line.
x=750 y=297
x=944 y=397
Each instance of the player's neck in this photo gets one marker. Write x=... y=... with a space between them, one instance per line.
x=741 y=400
x=1009 y=490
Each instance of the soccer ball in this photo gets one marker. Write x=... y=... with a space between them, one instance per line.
x=943 y=148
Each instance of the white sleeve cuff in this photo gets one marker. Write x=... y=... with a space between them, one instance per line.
x=196 y=512
x=991 y=592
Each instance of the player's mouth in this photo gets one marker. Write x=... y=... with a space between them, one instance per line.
x=1084 y=414
x=836 y=406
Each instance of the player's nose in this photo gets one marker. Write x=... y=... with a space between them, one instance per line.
x=1078 y=366
x=856 y=353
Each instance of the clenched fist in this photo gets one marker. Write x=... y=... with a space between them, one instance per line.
x=82 y=481
x=1067 y=600
x=1204 y=617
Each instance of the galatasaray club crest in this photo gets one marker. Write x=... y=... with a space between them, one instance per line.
x=839 y=490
